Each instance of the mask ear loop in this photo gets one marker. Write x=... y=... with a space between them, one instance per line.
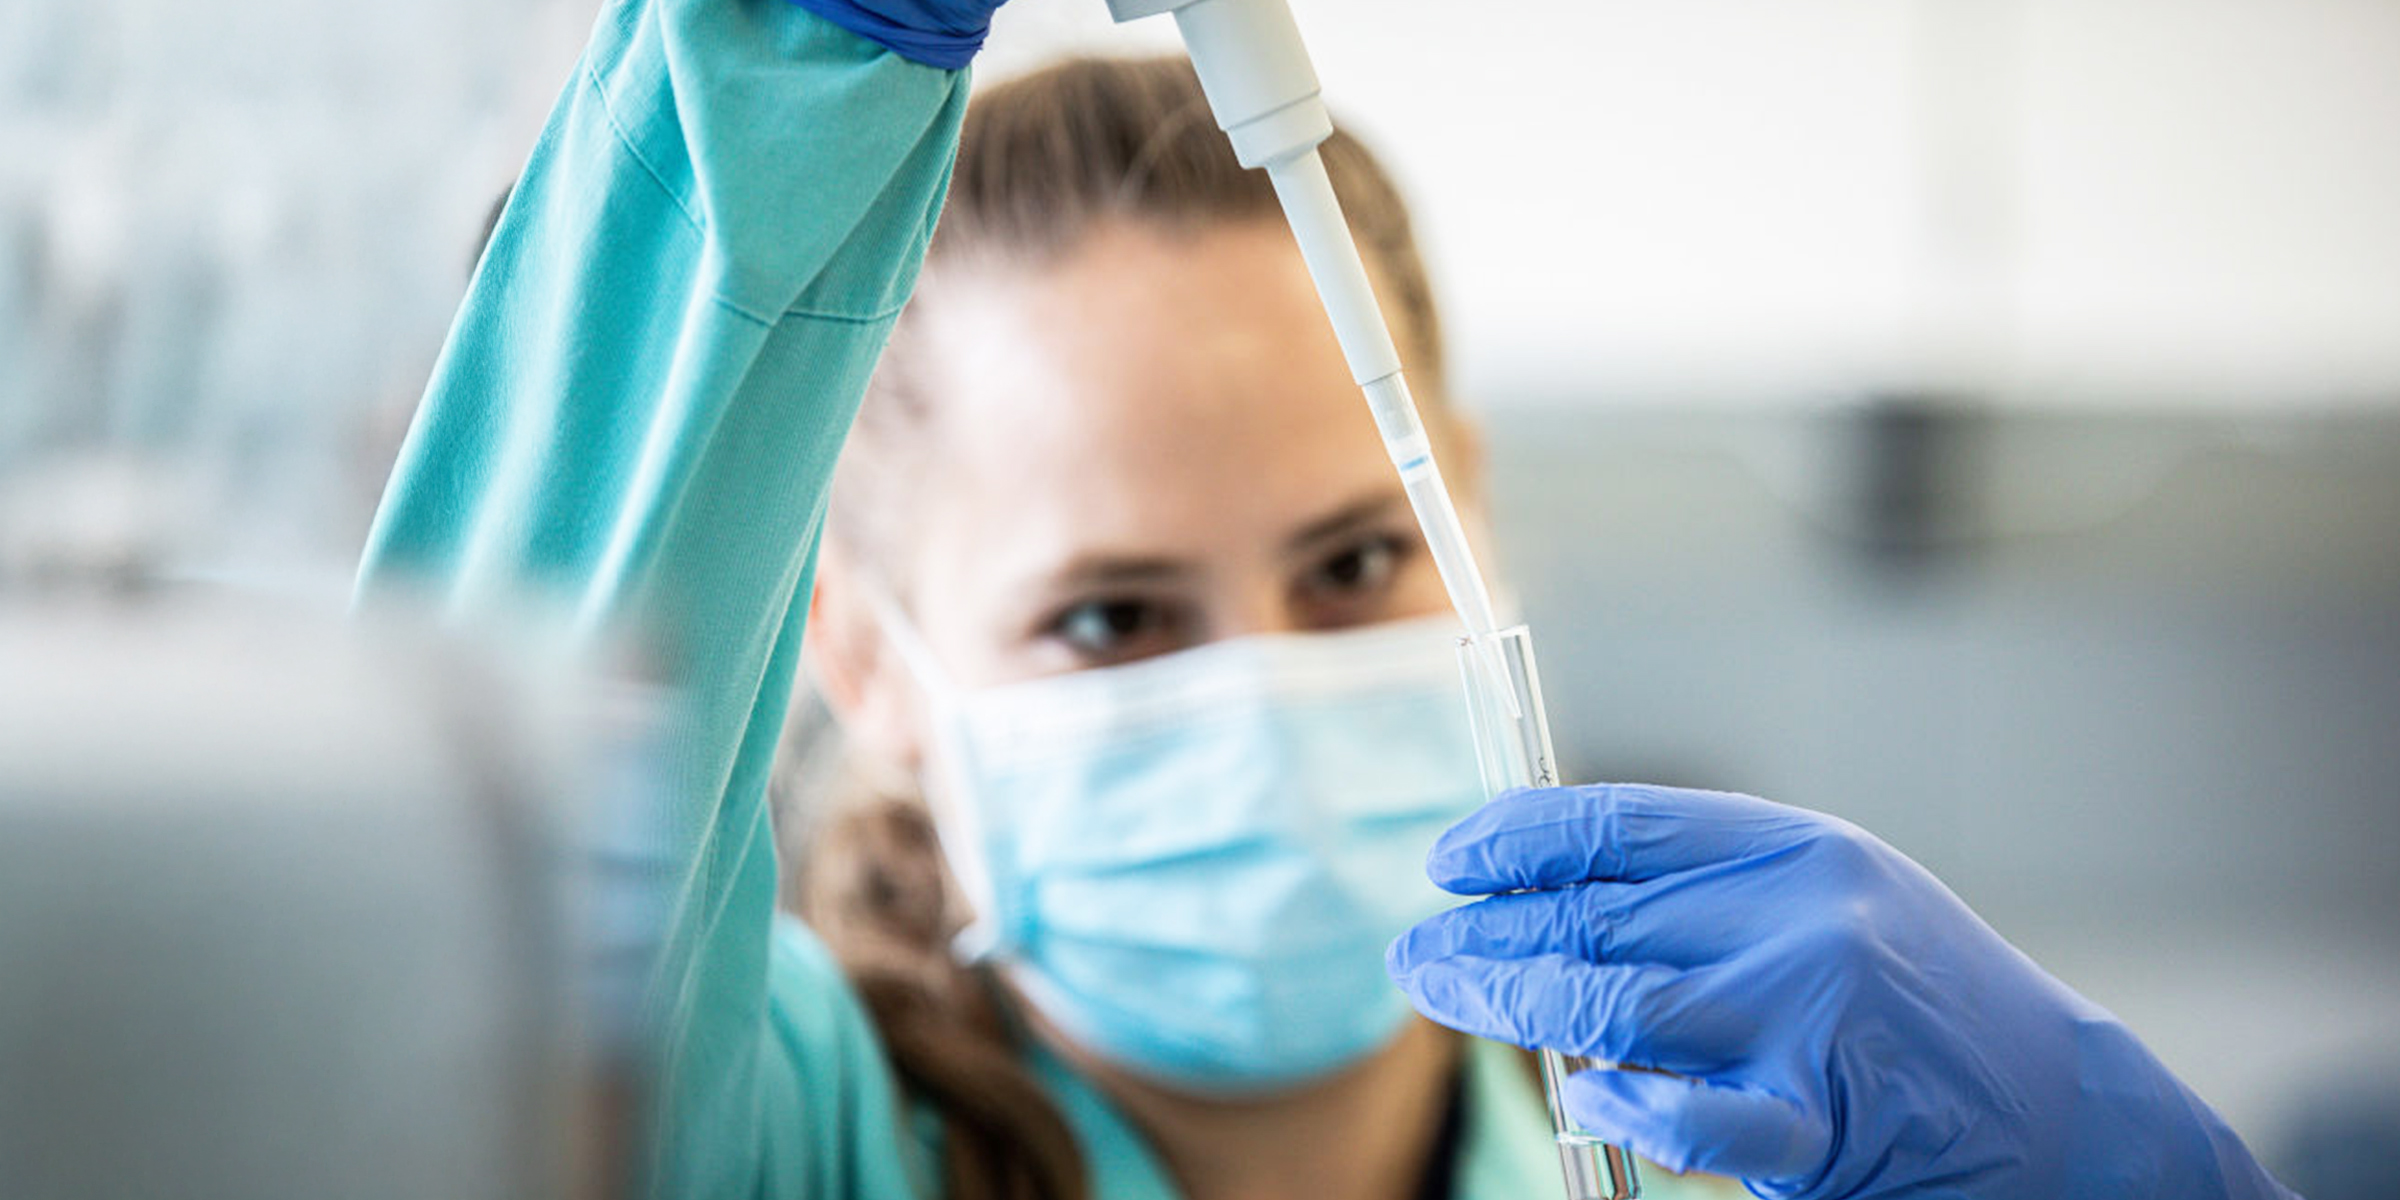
x=915 y=655
x=957 y=816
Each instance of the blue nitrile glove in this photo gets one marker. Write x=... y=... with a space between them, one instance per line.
x=938 y=33
x=1837 y=1023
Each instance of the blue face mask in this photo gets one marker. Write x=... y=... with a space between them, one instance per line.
x=1191 y=864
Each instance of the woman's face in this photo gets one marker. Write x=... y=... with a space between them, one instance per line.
x=1150 y=445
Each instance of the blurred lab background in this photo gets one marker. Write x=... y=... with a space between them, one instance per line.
x=1978 y=418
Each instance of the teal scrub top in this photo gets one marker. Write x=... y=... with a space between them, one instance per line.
x=636 y=417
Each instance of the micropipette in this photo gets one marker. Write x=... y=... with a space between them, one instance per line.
x=1264 y=93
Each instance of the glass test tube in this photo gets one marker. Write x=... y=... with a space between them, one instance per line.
x=1512 y=743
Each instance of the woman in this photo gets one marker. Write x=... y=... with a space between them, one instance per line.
x=1112 y=428
x=1117 y=427
x=1116 y=436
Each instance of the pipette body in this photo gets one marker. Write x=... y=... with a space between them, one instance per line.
x=1264 y=93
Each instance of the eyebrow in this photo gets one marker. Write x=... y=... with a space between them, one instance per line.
x=1365 y=510
x=1106 y=570
x=1101 y=570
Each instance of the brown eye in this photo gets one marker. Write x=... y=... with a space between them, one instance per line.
x=1353 y=585
x=1117 y=629
x=1365 y=567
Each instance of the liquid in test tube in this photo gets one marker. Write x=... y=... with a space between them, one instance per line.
x=1512 y=744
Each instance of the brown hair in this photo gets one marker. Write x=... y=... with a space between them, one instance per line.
x=1044 y=159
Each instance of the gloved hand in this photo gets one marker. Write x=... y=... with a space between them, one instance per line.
x=938 y=33
x=1837 y=1023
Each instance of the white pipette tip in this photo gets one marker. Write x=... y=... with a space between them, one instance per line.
x=1446 y=538
x=1487 y=649
x=1445 y=535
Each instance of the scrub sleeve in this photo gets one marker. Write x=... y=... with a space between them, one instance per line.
x=636 y=418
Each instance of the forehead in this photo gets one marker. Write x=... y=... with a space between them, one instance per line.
x=1154 y=393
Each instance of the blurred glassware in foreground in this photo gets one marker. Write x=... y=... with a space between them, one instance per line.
x=293 y=905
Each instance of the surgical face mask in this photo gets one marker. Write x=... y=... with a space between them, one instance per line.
x=1191 y=865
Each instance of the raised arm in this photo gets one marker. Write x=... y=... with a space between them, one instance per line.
x=636 y=418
